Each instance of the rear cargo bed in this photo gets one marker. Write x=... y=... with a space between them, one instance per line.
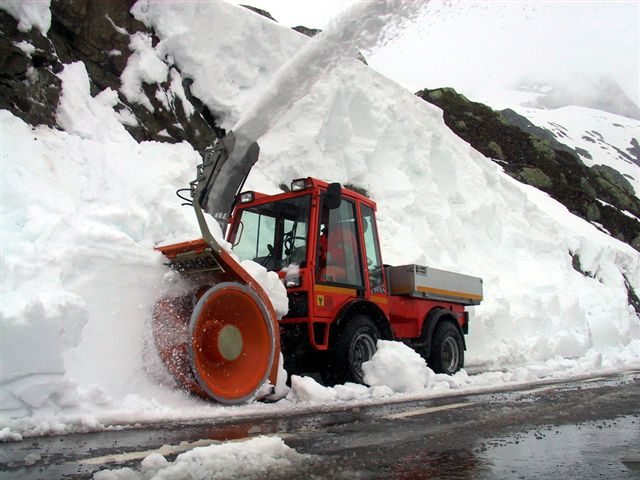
x=434 y=284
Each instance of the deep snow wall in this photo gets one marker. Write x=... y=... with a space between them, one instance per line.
x=83 y=206
x=441 y=203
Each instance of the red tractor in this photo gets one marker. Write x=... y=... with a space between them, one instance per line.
x=322 y=239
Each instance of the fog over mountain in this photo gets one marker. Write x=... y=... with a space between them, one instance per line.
x=487 y=49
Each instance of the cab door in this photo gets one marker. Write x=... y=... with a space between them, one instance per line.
x=339 y=274
x=375 y=276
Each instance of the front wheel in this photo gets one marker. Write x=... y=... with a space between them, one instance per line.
x=355 y=344
x=447 y=349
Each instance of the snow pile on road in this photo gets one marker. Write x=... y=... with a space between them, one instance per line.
x=255 y=457
x=306 y=389
x=398 y=367
x=83 y=208
x=399 y=372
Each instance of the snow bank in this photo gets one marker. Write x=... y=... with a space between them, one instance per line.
x=252 y=457
x=399 y=372
x=81 y=213
x=441 y=203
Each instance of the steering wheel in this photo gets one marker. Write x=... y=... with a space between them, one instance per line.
x=289 y=242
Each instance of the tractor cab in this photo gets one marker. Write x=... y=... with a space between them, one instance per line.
x=322 y=231
x=322 y=240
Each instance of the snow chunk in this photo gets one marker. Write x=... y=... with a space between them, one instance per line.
x=177 y=90
x=280 y=389
x=398 y=367
x=271 y=284
x=146 y=65
x=86 y=116
x=6 y=435
x=229 y=460
x=306 y=389
x=27 y=48
x=29 y=14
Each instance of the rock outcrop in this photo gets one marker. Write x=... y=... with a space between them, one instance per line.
x=600 y=195
x=98 y=34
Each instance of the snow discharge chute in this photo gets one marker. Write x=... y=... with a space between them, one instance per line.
x=219 y=340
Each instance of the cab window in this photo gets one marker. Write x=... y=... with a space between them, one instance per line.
x=273 y=234
x=338 y=252
x=372 y=251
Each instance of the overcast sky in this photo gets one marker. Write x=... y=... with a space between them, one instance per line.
x=479 y=47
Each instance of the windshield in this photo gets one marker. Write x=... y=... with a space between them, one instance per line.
x=274 y=234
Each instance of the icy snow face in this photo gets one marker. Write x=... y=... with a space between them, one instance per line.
x=79 y=224
x=440 y=203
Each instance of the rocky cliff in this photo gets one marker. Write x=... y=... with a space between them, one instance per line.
x=101 y=35
x=532 y=155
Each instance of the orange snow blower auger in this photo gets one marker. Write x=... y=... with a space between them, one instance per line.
x=220 y=340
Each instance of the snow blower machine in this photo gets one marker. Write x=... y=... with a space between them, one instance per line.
x=222 y=339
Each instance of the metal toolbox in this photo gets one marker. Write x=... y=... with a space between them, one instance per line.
x=434 y=284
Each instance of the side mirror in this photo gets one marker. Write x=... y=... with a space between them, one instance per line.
x=334 y=196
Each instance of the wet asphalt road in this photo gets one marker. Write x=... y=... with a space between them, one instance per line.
x=581 y=429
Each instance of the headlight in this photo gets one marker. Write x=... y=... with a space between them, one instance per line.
x=299 y=184
x=245 y=197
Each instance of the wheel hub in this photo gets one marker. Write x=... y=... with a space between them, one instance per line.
x=450 y=354
x=362 y=350
x=230 y=342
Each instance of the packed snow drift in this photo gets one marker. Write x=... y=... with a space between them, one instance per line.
x=253 y=458
x=83 y=208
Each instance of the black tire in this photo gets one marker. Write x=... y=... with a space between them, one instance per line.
x=354 y=345
x=447 y=349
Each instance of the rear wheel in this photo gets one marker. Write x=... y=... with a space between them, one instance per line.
x=447 y=349
x=354 y=345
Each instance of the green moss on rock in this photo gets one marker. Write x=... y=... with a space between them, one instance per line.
x=543 y=148
x=614 y=177
x=497 y=151
x=592 y=212
x=535 y=177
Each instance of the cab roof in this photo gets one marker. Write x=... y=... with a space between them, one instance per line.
x=304 y=185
